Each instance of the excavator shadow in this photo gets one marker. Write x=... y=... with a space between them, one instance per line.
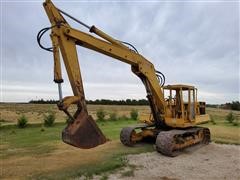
x=192 y=149
x=145 y=141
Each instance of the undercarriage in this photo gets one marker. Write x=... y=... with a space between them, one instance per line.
x=170 y=142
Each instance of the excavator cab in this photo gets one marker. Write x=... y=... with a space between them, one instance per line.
x=181 y=100
x=183 y=104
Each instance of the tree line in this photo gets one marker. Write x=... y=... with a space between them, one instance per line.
x=98 y=102
x=234 y=105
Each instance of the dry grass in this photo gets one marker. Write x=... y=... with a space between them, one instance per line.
x=9 y=113
x=222 y=112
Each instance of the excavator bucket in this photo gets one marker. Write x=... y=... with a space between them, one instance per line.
x=83 y=132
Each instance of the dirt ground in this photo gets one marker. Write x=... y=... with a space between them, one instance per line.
x=214 y=161
x=64 y=157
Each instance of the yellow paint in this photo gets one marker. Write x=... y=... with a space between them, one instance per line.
x=173 y=110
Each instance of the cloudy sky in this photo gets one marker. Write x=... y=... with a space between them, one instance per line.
x=190 y=42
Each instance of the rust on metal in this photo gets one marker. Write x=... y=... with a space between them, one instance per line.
x=83 y=132
x=171 y=143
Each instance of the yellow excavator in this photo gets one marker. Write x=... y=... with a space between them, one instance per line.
x=175 y=110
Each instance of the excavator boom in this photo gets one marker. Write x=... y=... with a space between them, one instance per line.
x=82 y=130
x=169 y=115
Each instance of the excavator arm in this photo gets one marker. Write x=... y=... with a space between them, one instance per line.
x=82 y=130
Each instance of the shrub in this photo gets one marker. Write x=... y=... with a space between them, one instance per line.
x=134 y=114
x=49 y=119
x=236 y=123
x=101 y=114
x=42 y=129
x=230 y=117
x=113 y=116
x=212 y=120
x=22 y=121
x=3 y=120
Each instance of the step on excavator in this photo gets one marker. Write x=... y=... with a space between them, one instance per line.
x=175 y=109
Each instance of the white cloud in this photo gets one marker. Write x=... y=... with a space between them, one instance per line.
x=192 y=43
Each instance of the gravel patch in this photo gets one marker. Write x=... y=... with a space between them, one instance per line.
x=214 y=161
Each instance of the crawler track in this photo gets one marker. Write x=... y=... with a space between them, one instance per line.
x=172 y=142
x=125 y=136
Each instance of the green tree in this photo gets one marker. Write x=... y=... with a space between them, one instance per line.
x=235 y=105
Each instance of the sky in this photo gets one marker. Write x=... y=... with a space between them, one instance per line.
x=191 y=42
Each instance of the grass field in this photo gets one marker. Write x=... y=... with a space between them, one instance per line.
x=34 y=153
x=38 y=153
x=223 y=131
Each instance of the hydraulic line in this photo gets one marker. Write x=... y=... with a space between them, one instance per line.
x=160 y=77
x=39 y=36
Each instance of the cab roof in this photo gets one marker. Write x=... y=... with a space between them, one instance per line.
x=179 y=86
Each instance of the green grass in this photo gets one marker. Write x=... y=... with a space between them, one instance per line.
x=224 y=134
x=113 y=159
x=111 y=162
x=31 y=141
x=221 y=120
x=112 y=128
x=221 y=130
x=87 y=171
x=34 y=141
